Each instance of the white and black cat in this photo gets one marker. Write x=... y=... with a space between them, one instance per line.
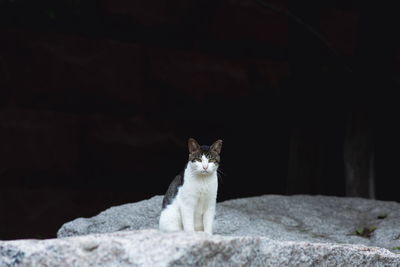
x=189 y=203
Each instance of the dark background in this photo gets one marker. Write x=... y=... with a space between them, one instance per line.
x=98 y=99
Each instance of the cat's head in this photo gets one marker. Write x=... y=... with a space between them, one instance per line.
x=204 y=160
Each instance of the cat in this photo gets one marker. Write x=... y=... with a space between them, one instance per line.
x=190 y=201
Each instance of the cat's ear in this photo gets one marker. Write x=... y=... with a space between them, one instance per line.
x=193 y=145
x=216 y=146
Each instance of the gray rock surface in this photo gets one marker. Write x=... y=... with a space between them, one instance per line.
x=154 y=248
x=319 y=219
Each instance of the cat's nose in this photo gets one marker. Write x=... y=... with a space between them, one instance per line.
x=205 y=167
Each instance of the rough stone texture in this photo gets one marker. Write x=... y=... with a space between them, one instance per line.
x=154 y=248
x=282 y=218
x=135 y=216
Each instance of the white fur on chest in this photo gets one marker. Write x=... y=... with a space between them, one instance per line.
x=193 y=208
x=196 y=188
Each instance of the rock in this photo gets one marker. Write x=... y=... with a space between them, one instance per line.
x=154 y=248
x=312 y=219
x=135 y=216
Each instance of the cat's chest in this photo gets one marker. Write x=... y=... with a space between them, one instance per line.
x=201 y=187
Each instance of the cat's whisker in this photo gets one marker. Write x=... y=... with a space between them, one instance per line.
x=220 y=179
x=220 y=171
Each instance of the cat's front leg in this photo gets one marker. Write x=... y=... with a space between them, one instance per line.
x=187 y=215
x=208 y=218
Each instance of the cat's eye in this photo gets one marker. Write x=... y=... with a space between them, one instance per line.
x=212 y=160
x=197 y=160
